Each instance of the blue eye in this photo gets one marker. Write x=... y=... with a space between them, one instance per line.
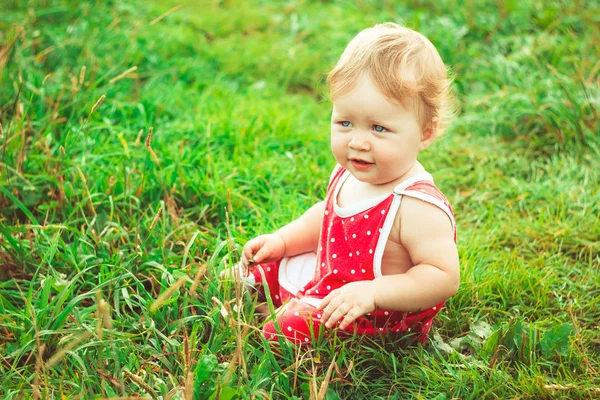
x=379 y=128
x=346 y=124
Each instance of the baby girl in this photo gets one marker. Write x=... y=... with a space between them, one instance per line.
x=378 y=255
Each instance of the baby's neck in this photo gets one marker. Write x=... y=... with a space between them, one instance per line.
x=355 y=192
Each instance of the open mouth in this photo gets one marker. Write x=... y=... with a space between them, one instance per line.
x=360 y=164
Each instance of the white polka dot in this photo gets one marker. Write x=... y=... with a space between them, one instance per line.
x=383 y=211
x=289 y=328
x=363 y=270
x=306 y=339
x=366 y=216
x=352 y=271
x=409 y=329
x=317 y=291
x=334 y=256
x=277 y=296
x=386 y=313
x=370 y=251
x=352 y=219
x=321 y=249
x=380 y=329
x=368 y=313
x=369 y=233
x=319 y=316
x=328 y=287
x=269 y=269
x=349 y=254
x=434 y=308
x=354 y=236
x=296 y=313
x=358 y=253
x=335 y=271
x=323 y=265
x=332 y=240
x=326 y=212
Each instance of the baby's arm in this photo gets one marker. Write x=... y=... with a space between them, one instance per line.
x=299 y=236
x=426 y=233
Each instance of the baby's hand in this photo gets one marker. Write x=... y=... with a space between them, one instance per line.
x=351 y=301
x=264 y=248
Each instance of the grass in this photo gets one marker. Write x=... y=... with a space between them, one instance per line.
x=99 y=219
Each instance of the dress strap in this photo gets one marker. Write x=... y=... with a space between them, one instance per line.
x=426 y=191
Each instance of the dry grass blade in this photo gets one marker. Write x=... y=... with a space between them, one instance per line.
x=5 y=52
x=140 y=382
x=580 y=342
x=82 y=75
x=325 y=384
x=109 y=378
x=156 y=218
x=60 y=354
x=197 y=278
x=149 y=146
x=138 y=140
x=167 y=293
x=95 y=106
x=87 y=191
x=556 y=386
x=166 y=14
x=123 y=74
x=189 y=387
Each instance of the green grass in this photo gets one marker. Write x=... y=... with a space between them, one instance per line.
x=94 y=225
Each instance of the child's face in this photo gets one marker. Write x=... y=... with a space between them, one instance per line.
x=376 y=140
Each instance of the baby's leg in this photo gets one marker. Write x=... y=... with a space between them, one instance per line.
x=298 y=322
x=263 y=278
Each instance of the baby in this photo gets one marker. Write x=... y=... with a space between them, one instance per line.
x=378 y=255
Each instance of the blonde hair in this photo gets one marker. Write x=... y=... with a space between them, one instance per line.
x=404 y=65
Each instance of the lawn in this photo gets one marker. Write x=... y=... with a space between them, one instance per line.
x=143 y=142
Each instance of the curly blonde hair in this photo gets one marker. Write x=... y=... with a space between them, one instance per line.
x=404 y=65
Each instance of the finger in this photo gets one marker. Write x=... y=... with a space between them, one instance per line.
x=328 y=305
x=256 y=249
x=262 y=253
x=337 y=314
x=349 y=318
x=327 y=300
x=250 y=249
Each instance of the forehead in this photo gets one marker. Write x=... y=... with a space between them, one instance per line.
x=364 y=98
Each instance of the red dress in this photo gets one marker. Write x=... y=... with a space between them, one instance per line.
x=352 y=243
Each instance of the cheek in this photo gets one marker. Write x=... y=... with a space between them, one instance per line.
x=337 y=140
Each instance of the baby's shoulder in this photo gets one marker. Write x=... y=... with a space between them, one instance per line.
x=424 y=210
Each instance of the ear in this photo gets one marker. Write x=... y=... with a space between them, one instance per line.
x=428 y=134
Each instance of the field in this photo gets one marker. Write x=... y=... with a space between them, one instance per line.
x=143 y=142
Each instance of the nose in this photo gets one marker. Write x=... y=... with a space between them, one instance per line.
x=359 y=141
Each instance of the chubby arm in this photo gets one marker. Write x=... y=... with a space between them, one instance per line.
x=302 y=234
x=299 y=236
x=426 y=233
